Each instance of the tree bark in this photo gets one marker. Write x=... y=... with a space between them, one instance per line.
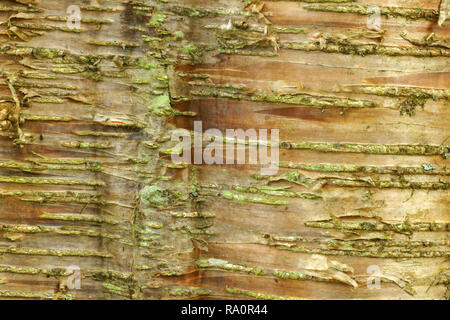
x=88 y=105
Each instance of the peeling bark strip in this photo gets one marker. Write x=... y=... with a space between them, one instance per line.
x=88 y=105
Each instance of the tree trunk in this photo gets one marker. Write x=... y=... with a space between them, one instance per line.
x=92 y=91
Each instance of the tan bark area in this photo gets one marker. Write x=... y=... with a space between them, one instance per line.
x=86 y=178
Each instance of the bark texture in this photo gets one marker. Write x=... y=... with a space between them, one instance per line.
x=86 y=179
